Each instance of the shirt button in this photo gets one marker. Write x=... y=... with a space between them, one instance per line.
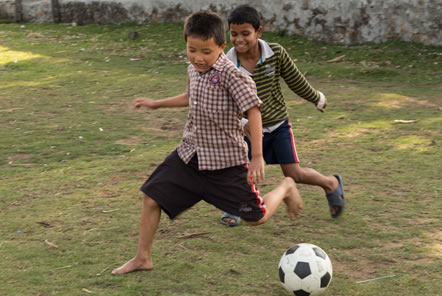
x=195 y=102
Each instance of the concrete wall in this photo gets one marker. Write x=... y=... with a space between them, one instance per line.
x=7 y=9
x=339 y=21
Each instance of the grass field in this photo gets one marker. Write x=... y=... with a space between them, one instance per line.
x=73 y=154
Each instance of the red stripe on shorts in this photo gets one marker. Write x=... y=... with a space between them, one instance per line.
x=295 y=155
x=259 y=199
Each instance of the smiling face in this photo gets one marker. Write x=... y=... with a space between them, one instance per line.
x=244 y=37
x=203 y=54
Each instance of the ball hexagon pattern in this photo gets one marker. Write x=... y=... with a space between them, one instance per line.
x=305 y=270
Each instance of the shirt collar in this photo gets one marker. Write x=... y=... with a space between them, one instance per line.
x=266 y=52
x=220 y=62
x=218 y=66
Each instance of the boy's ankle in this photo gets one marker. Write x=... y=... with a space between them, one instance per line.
x=332 y=185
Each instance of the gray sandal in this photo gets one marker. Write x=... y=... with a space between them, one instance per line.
x=230 y=216
x=336 y=198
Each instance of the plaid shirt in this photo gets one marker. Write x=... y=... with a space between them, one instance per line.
x=217 y=100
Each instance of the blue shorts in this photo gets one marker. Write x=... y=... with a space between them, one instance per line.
x=278 y=146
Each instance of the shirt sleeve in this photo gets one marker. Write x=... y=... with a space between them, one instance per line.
x=242 y=89
x=295 y=80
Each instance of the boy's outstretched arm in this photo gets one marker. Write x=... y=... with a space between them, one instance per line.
x=297 y=82
x=177 y=101
x=256 y=166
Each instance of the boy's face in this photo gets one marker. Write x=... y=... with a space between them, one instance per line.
x=203 y=53
x=244 y=37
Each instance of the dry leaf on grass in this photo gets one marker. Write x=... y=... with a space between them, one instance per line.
x=193 y=235
x=336 y=59
x=51 y=244
x=405 y=121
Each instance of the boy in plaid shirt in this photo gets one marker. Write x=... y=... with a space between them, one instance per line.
x=211 y=163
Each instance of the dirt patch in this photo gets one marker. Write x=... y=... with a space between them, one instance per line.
x=404 y=102
x=108 y=193
x=350 y=188
x=361 y=268
x=436 y=246
x=9 y=110
x=18 y=157
x=427 y=221
x=131 y=141
x=359 y=132
x=122 y=107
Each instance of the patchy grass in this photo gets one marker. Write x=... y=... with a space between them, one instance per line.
x=74 y=153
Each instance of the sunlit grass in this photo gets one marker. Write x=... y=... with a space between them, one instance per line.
x=390 y=100
x=12 y=56
x=432 y=121
x=413 y=143
x=364 y=127
x=396 y=101
x=26 y=84
x=436 y=246
x=74 y=152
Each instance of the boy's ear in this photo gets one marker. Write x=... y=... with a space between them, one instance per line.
x=222 y=46
x=259 y=31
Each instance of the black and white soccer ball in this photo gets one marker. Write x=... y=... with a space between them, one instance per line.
x=305 y=270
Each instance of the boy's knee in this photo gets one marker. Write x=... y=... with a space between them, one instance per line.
x=149 y=202
x=256 y=223
x=298 y=174
x=295 y=172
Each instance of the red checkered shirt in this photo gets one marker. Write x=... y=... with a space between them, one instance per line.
x=217 y=100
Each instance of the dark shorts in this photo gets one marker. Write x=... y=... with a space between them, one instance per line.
x=177 y=186
x=278 y=147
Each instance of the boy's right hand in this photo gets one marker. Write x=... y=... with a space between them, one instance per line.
x=256 y=172
x=149 y=103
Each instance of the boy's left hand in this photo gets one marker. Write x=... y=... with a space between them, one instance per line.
x=322 y=104
x=256 y=170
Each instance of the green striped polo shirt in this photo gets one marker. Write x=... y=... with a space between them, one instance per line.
x=275 y=63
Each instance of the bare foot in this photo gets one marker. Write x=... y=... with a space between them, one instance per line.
x=334 y=210
x=133 y=265
x=230 y=221
x=293 y=199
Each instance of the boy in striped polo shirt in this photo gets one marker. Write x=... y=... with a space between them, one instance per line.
x=210 y=163
x=266 y=63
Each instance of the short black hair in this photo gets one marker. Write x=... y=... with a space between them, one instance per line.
x=205 y=25
x=245 y=14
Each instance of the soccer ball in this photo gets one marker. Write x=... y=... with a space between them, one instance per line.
x=305 y=270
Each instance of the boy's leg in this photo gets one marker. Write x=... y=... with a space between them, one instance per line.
x=311 y=177
x=281 y=148
x=286 y=192
x=150 y=218
x=280 y=192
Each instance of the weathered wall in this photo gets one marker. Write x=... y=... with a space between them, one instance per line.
x=343 y=21
x=7 y=9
